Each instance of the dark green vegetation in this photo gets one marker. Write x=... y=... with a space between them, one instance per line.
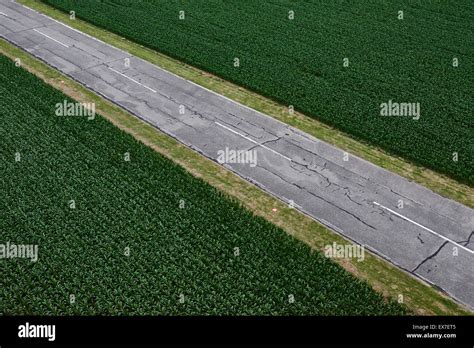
x=300 y=62
x=136 y=204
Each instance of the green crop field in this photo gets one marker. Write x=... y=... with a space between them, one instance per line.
x=143 y=236
x=426 y=57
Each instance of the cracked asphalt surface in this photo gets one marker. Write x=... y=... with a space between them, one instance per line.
x=430 y=237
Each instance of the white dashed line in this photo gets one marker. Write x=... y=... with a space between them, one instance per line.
x=49 y=37
x=141 y=84
x=253 y=141
x=4 y=14
x=426 y=228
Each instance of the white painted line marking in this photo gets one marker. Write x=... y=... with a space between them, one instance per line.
x=67 y=26
x=253 y=141
x=26 y=7
x=118 y=72
x=426 y=228
x=49 y=37
x=4 y=14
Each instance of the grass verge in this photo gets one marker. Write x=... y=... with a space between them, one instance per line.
x=382 y=276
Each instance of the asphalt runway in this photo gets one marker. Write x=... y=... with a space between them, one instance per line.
x=430 y=236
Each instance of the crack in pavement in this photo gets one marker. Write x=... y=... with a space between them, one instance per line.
x=348 y=193
x=293 y=165
x=326 y=162
x=264 y=143
x=244 y=133
x=319 y=197
x=430 y=257
x=419 y=238
x=170 y=117
x=250 y=123
x=468 y=240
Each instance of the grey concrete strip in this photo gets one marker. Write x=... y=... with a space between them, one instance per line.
x=10 y=23
x=430 y=236
x=3 y=29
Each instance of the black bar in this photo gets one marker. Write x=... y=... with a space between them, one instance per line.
x=242 y=330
